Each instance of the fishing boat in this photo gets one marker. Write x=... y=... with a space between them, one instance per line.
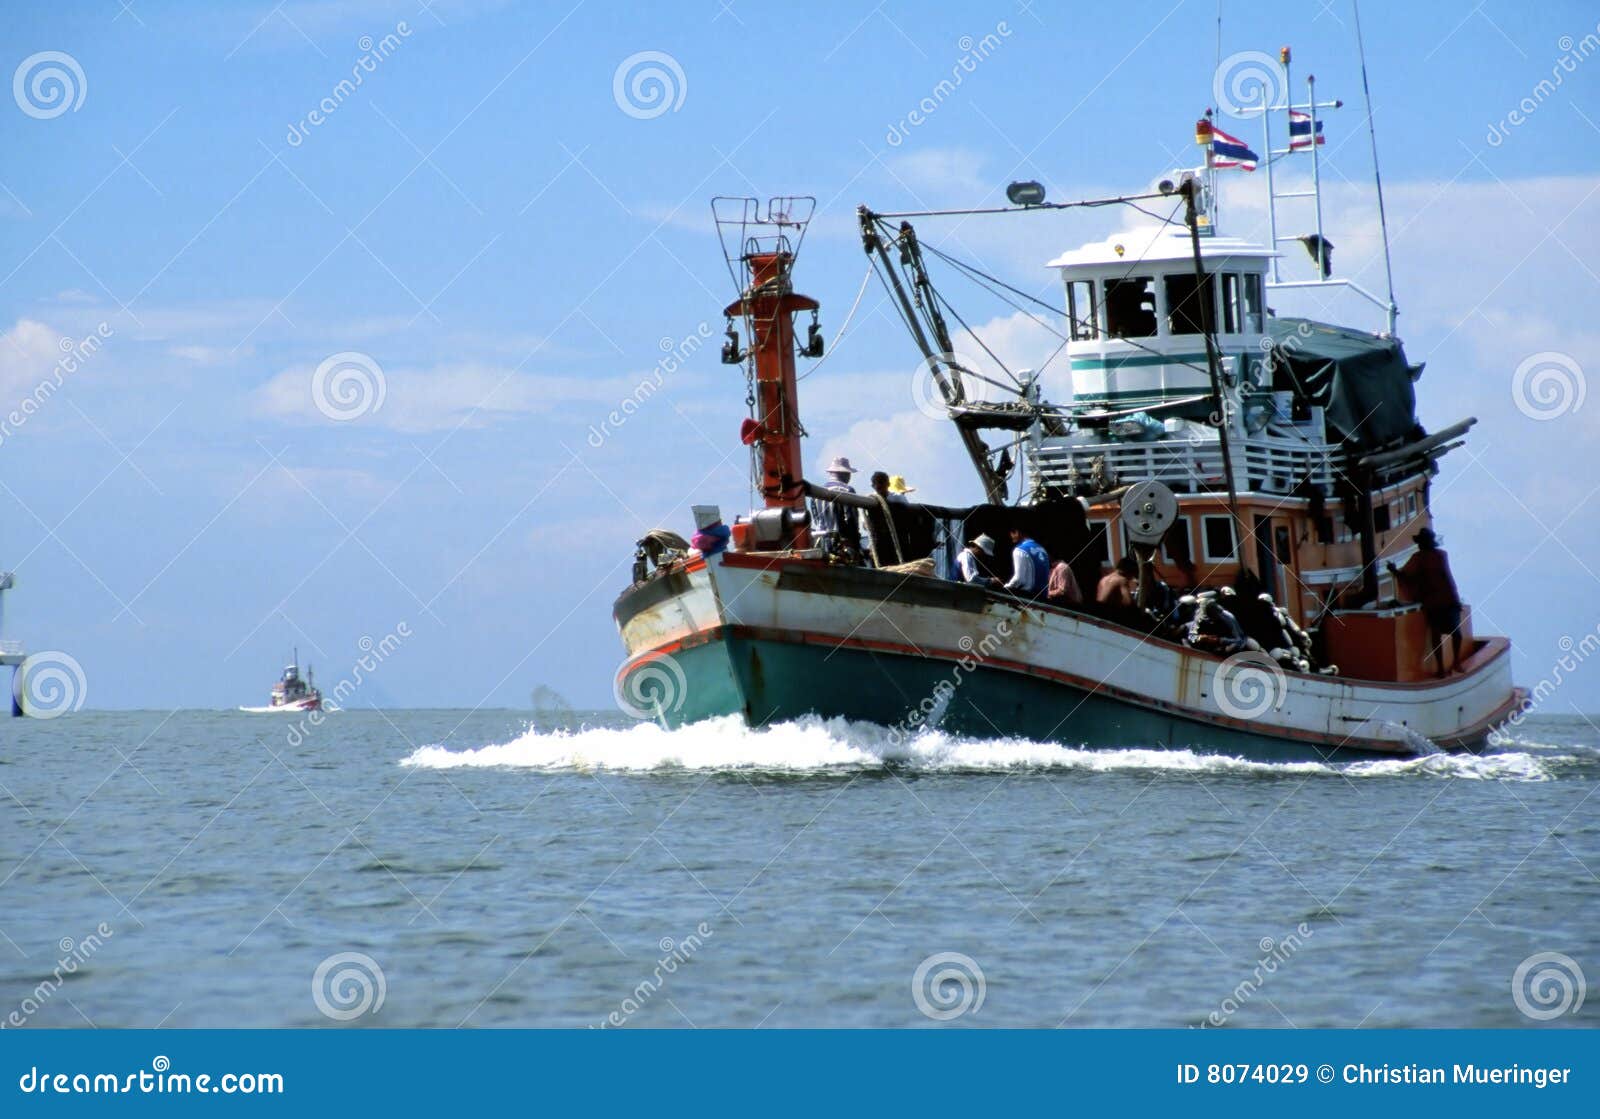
x=1259 y=470
x=292 y=692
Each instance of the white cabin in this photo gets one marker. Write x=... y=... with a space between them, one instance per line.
x=1138 y=377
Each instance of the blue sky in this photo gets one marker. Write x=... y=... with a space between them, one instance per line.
x=484 y=221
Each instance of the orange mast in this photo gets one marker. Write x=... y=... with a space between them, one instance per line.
x=768 y=304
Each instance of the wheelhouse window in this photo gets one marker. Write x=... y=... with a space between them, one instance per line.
x=1175 y=545
x=1220 y=545
x=1082 y=315
x=1232 y=303
x=1187 y=303
x=1253 y=321
x=1131 y=307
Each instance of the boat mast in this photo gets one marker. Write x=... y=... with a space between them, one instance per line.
x=1220 y=403
x=768 y=304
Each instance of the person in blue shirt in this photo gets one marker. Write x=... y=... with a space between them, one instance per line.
x=1030 y=566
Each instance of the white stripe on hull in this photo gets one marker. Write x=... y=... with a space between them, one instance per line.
x=1366 y=715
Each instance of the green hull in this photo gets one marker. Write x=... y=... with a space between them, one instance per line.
x=769 y=681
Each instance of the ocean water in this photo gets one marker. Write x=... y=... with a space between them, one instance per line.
x=446 y=868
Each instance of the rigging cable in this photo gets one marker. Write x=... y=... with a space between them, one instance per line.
x=974 y=271
x=865 y=280
x=984 y=345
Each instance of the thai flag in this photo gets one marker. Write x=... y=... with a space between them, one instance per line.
x=1230 y=151
x=1300 y=130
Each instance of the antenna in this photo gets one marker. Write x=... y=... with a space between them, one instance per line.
x=1304 y=131
x=1377 y=178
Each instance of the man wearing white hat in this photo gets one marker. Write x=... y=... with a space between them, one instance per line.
x=970 y=566
x=830 y=519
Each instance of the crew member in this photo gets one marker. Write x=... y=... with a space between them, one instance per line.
x=1118 y=588
x=1030 y=566
x=1426 y=579
x=830 y=519
x=973 y=567
x=1063 y=589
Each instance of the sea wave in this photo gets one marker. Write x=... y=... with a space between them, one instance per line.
x=816 y=745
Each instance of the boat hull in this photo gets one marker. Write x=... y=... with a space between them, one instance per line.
x=286 y=708
x=774 y=640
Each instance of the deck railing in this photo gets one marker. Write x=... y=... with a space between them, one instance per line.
x=1187 y=466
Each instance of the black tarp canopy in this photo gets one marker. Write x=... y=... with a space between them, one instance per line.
x=1363 y=382
x=1059 y=525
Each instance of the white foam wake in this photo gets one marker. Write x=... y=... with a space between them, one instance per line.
x=815 y=745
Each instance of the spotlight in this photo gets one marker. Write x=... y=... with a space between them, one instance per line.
x=1026 y=194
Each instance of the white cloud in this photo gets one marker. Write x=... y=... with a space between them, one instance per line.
x=443 y=397
x=28 y=353
x=942 y=176
x=207 y=355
